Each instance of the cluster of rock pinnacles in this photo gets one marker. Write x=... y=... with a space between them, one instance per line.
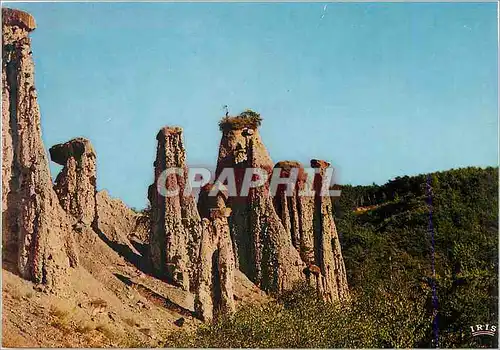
x=275 y=241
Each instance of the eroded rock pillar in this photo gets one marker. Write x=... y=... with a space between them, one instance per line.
x=328 y=255
x=75 y=185
x=263 y=247
x=308 y=219
x=216 y=267
x=36 y=228
x=176 y=229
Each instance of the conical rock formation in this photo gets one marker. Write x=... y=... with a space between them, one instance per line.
x=328 y=255
x=262 y=245
x=35 y=227
x=176 y=229
x=296 y=211
x=214 y=288
x=309 y=221
x=76 y=183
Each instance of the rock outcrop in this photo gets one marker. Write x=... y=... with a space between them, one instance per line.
x=209 y=248
x=35 y=227
x=75 y=185
x=214 y=288
x=327 y=250
x=296 y=212
x=176 y=229
x=92 y=213
x=309 y=222
x=118 y=224
x=263 y=247
x=193 y=253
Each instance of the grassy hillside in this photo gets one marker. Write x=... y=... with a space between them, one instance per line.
x=388 y=234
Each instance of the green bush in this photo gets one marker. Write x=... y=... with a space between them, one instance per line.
x=246 y=119
x=382 y=318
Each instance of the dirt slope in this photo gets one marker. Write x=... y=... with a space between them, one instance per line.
x=109 y=303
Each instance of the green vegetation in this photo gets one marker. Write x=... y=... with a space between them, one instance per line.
x=387 y=252
x=392 y=241
x=247 y=119
x=301 y=319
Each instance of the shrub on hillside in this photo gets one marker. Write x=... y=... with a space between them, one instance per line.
x=385 y=318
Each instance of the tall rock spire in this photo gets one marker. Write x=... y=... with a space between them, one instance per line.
x=76 y=183
x=216 y=267
x=35 y=227
x=176 y=230
x=328 y=255
x=309 y=222
x=263 y=248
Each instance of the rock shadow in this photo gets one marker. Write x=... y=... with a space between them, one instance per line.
x=154 y=297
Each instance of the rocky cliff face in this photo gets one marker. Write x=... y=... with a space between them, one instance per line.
x=35 y=227
x=75 y=185
x=262 y=245
x=327 y=250
x=309 y=222
x=196 y=254
x=216 y=268
x=176 y=230
x=296 y=212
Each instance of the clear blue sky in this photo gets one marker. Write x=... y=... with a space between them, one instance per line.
x=380 y=90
